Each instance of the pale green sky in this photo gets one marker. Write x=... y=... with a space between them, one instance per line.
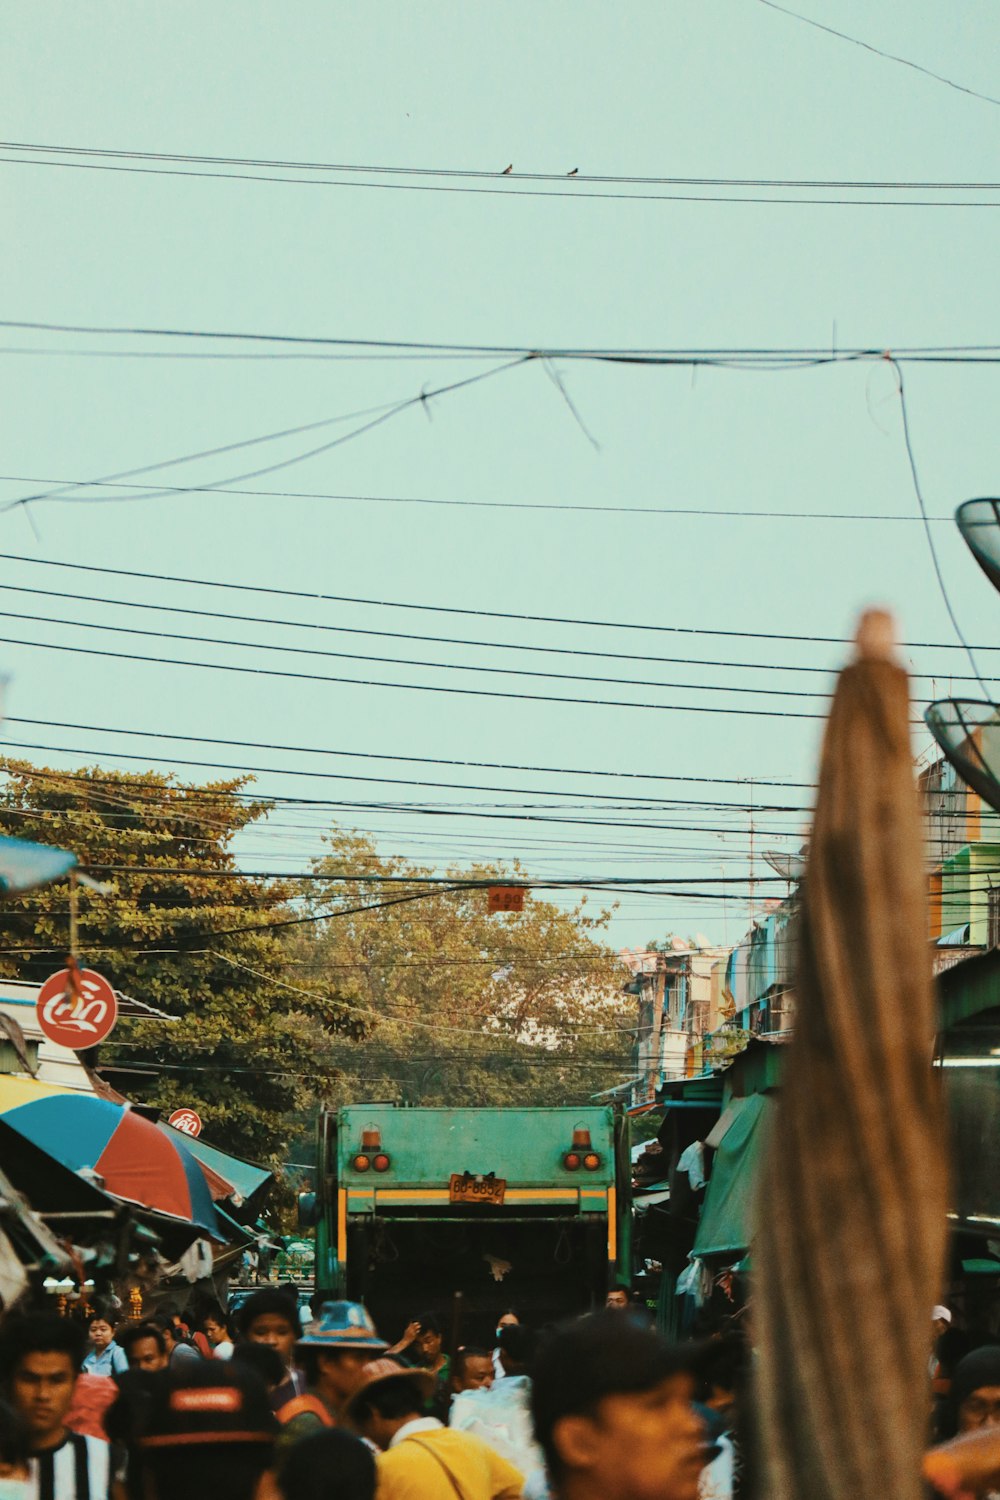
x=718 y=88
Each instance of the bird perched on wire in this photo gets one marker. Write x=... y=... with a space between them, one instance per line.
x=507 y=170
x=573 y=173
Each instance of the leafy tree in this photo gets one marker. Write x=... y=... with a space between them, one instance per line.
x=242 y=1052
x=461 y=1007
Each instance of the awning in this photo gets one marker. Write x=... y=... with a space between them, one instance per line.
x=245 y=1178
x=15 y=1090
x=726 y=1225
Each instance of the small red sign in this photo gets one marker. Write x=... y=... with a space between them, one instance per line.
x=186 y=1120
x=76 y=1008
x=504 y=898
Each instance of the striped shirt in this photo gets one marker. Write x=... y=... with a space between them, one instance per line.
x=76 y=1470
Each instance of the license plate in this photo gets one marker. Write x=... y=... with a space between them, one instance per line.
x=467 y=1187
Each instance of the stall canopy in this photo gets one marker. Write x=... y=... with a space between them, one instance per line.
x=726 y=1224
x=243 y=1179
x=134 y=1160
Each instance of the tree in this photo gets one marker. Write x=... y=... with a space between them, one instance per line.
x=181 y=928
x=461 y=1007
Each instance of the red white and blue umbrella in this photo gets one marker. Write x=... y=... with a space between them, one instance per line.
x=136 y=1161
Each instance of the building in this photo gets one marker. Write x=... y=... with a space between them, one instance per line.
x=679 y=1001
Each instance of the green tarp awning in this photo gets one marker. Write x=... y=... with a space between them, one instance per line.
x=726 y=1226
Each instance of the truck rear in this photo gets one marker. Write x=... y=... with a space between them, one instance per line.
x=508 y=1207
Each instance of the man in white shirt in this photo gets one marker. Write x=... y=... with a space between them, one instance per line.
x=40 y=1358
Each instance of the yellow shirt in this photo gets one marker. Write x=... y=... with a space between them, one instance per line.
x=431 y=1462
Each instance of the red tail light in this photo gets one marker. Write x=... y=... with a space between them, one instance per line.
x=381 y=1162
x=571 y=1161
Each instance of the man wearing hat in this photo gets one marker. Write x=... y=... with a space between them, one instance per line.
x=202 y=1430
x=332 y=1353
x=420 y=1457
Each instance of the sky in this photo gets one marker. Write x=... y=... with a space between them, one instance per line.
x=666 y=502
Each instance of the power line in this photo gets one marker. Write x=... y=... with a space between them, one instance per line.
x=406 y=635
x=423 y=760
x=567 y=191
x=396 y=661
x=767 y=355
x=529 y=505
x=464 y=172
x=905 y=62
x=317 y=597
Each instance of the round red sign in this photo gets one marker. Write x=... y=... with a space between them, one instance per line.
x=76 y=1010
x=186 y=1120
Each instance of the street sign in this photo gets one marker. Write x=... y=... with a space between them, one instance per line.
x=76 y=1008
x=186 y=1120
x=504 y=898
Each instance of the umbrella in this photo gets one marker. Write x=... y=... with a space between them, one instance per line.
x=24 y=865
x=136 y=1161
x=852 y=1226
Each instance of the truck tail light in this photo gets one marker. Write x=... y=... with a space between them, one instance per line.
x=360 y=1163
x=381 y=1162
x=371 y=1138
x=581 y=1138
x=571 y=1161
x=592 y=1161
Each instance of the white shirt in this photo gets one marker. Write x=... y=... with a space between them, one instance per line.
x=54 y=1473
x=223 y=1350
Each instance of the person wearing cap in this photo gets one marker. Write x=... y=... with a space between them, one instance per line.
x=331 y=1354
x=420 y=1458
x=974 y=1398
x=206 y=1433
x=611 y=1403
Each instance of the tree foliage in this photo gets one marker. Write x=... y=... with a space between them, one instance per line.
x=461 y=1007
x=242 y=1052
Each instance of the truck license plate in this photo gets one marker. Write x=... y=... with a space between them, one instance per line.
x=467 y=1187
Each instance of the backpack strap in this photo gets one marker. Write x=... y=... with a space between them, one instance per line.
x=299 y=1405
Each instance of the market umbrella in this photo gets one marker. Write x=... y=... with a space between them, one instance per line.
x=25 y=865
x=851 y=1216
x=136 y=1161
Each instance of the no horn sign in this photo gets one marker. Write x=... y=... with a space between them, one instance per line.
x=77 y=1008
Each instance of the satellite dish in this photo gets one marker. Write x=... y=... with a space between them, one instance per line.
x=968 y=731
x=788 y=866
x=979 y=523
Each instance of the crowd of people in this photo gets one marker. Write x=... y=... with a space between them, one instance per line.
x=598 y=1408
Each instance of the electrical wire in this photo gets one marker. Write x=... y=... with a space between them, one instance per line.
x=529 y=505
x=464 y=172
x=316 y=597
x=879 y=52
x=567 y=191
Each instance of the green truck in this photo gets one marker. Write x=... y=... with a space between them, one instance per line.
x=524 y=1208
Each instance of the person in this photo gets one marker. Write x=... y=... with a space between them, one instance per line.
x=974 y=1401
x=106 y=1357
x=421 y=1344
x=15 y=1463
x=617 y=1298
x=179 y=1350
x=207 y=1434
x=471 y=1370
x=501 y=1413
x=271 y=1317
x=420 y=1457
x=145 y=1347
x=41 y=1355
x=338 y=1344
x=265 y=1362
x=328 y=1465
x=215 y=1326
x=611 y=1403
x=506 y=1318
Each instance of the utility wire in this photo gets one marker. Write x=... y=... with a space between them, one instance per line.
x=879 y=52
x=316 y=597
x=529 y=505
x=465 y=172
x=405 y=635
x=567 y=191
x=394 y=756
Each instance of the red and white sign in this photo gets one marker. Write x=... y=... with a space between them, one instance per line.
x=186 y=1121
x=76 y=1008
